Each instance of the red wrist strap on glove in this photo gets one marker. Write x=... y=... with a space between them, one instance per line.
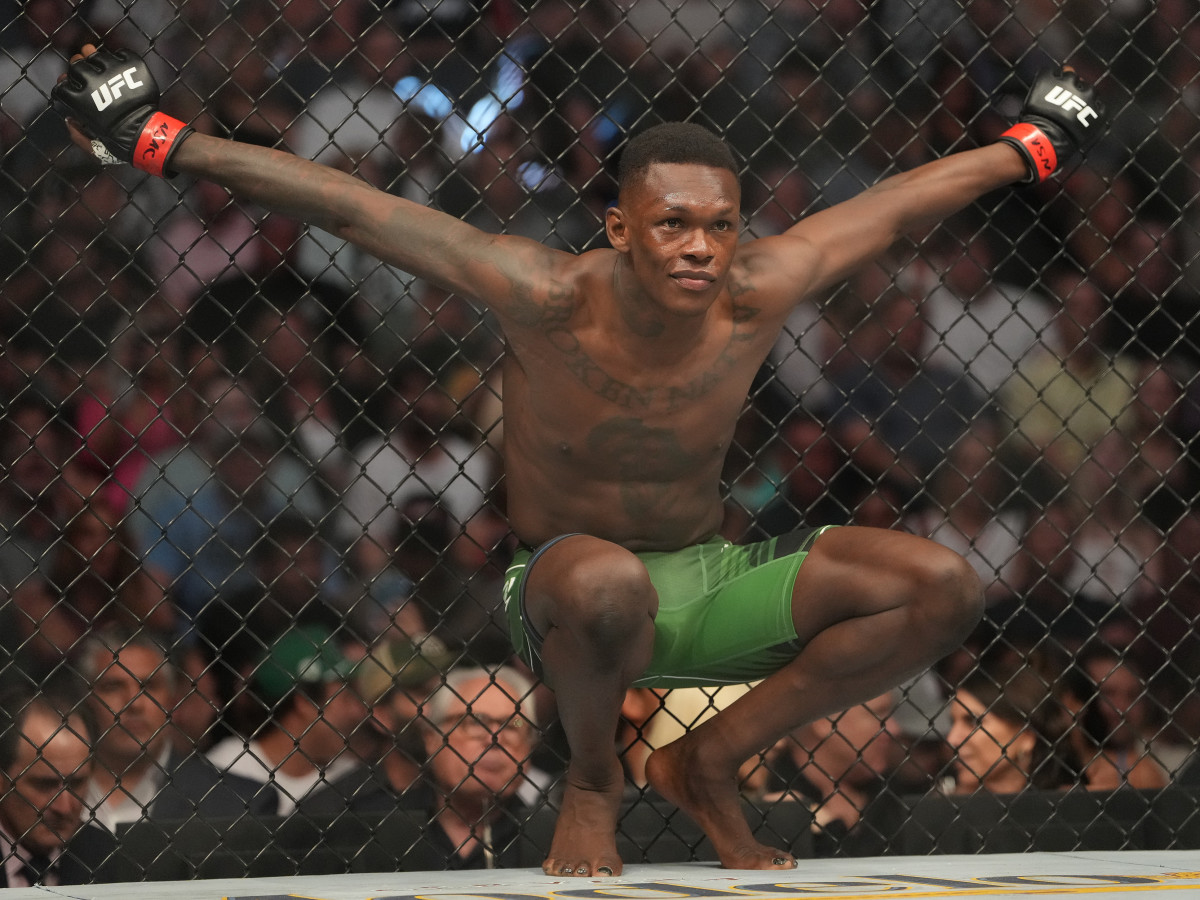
x=1037 y=148
x=155 y=143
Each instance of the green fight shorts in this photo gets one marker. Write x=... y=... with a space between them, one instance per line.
x=724 y=616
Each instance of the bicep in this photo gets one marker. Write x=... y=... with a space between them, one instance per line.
x=495 y=270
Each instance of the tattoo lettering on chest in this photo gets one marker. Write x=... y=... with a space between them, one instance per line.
x=665 y=398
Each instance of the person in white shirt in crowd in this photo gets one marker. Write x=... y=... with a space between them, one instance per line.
x=978 y=324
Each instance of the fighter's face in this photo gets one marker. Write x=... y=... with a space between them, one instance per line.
x=678 y=229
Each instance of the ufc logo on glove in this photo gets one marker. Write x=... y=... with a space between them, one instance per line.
x=111 y=90
x=1070 y=102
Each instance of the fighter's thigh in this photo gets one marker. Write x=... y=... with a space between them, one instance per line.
x=854 y=571
x=581 y=578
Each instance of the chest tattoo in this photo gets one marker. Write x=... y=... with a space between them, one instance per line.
x=668 y=397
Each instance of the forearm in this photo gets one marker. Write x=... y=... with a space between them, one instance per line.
x=273 y=179
x=927 y=195
x=836 y=242
x=421 y=241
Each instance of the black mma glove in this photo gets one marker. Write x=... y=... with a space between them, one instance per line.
x=114 y=99
x=1062 y=115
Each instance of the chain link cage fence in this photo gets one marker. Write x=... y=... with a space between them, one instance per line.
x=252 y=517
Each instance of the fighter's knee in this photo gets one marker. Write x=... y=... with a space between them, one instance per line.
x=607 y=595
x=948 y=594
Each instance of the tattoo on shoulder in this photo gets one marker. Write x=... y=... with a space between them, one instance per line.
x=528 y=310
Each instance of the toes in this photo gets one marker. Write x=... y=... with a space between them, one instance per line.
x=578 y=870
x=557 y=868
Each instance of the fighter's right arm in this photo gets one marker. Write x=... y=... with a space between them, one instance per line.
x=419 y=240
x=110 y=101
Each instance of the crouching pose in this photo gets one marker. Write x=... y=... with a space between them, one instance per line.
x=626 y=370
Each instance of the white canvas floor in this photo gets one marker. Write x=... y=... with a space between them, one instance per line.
x=1090 y=875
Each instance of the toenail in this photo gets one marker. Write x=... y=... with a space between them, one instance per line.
x=567 y=870
x=604 y=870
x=779 y=861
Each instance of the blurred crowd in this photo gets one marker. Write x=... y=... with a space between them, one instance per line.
x=252 y=528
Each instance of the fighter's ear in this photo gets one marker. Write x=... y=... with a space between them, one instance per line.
x=617 y=229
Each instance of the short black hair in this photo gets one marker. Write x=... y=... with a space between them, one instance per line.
x=61 y=695
x=673 y=142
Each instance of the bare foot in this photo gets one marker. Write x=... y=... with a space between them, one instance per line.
x=711 y=798
x=585 y=836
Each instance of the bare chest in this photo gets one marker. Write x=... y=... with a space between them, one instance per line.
x=608 y=417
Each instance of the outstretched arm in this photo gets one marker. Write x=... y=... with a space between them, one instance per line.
x=1061 y=116
x=419 y=240
x=110 y=101
x=830 y=245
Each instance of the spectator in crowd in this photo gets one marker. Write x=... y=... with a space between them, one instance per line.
x=972 y=508
x=978 y=324
x=77 y=278
x=783 y=191
x=351 y=122
x=35 y=38
x=394 y=680
x=32 y=57
x=1009 y=730
x=201 y=509
x=138 y=773
x=1152 y=453
x=265 y=331
x=503 y=184
x=204 y=240
x=420 y=456
x=752 y=473
x=838 y=765
x=39 y=487
x=1064 y=399
x=813 y=469
x=482 y=730
x=199 y=703
x=1114 y=711
x=475 y=619
x=1154 y=310
x=838 y=37
x=304 y=682
x=1038 y=605
x=41 y=491
x=443 y=579
x=90 y=578
x=683 y=709
x=286 y=362
x=45 y=762
x=1168 y=642
x=894 y=411
x=136 y=404
x=294 y=583
x=1116 y=542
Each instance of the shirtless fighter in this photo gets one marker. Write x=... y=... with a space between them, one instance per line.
x=626 y=370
